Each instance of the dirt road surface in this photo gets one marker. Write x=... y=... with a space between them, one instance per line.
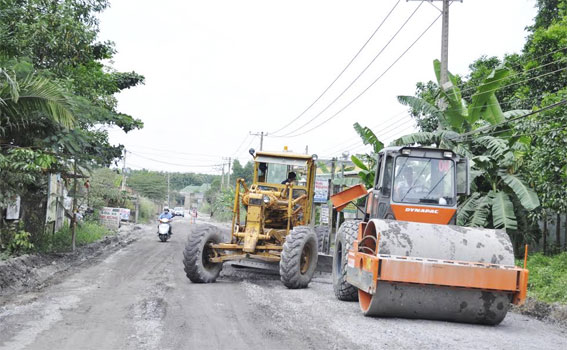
x=139 y=298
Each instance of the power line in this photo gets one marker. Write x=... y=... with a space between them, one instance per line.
x=382 y=130
x=341 y=73
x=242 y=143
x=372 y=84
x=175 y=164
x=357 y=77
x=515 y=74
x=488 y=127
x=169 y=150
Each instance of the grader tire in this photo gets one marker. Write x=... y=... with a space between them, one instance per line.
x=344 y=241
x=195 y=257
x=321 y=232
x=299 y=258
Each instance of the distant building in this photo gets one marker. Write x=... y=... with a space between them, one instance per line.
x=194 y=195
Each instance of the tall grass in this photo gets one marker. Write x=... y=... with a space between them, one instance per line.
x=548 y=277
x=60 y=241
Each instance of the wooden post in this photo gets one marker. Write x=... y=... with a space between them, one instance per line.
x=137 y=209
x=544 y=233
x=558 y=232
x=74 y=213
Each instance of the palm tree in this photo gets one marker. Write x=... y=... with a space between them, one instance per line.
x=25 y=96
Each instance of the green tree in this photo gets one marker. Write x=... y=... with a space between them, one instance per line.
x=246 y=172
x=150 y=184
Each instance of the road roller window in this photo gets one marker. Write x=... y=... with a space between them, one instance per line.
x=424 y=181
x=387 y=181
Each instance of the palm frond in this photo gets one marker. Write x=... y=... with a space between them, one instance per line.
x=496 y=146
x=368 y=137
x=503 y=215
x=482 y=211
x=528 y=198
x=467 y=209
x=39 y=96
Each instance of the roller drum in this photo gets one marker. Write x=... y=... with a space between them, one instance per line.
x=441 y=242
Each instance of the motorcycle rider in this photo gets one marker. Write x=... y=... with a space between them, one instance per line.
x=166 y=215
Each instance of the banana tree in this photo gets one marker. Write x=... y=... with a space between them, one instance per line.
x=499 y=194
x=367 y=162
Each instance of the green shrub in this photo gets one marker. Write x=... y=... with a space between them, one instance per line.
x=148 y=210
x=60 y=241
x=20 y=243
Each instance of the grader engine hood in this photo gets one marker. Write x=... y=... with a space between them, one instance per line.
x=254 y=221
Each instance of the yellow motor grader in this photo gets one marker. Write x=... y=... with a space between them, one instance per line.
x=276 y=227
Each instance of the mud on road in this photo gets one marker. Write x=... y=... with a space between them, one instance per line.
x=139 y=298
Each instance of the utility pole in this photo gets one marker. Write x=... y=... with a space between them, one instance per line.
x=222 y=178
x=228 y=174
x=306 y=149
x=444 y=78
x=445 y=44
x=261 y=134
x=168 y=205
x=123 y=187
x=331 y=191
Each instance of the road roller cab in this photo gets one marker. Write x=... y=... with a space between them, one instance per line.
x=275 y=231
x=408 y=259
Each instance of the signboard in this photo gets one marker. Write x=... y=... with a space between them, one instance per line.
x=110 y=217
x=350 y=211
x=324 y=215
x=321 y=191
x=13 y=209
x=124 y=214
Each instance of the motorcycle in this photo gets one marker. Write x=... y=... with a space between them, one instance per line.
x=164 y=229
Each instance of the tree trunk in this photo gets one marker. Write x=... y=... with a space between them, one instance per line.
x=558 y=232
x=565 y=238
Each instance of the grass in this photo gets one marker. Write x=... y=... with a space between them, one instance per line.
x=87 y=232
x=548 y=277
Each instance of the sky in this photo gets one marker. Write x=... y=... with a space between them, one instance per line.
x=218 y=70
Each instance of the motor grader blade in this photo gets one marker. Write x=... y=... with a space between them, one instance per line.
x=441 y=272
x=324 y=263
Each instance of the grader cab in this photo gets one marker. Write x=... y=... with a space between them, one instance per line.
x=278 y=210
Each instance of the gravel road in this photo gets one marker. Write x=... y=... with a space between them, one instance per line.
x=139 y=298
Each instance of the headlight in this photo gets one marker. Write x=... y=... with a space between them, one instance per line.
x=266 y=199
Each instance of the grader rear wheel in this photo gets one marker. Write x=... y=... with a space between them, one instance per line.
x=299 y=258
x=197 y=254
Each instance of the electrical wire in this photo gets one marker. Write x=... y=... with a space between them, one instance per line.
x=175 y=164
x=489 y=127
x=342 y=72
x=242 y=143
x=357 y=77
x=371 y=84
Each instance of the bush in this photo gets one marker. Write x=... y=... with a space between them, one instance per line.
x=148 y=210
x=60 y=241
x=548 y=277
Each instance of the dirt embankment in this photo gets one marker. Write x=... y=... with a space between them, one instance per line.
x=554 y=313
x=35 y=271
